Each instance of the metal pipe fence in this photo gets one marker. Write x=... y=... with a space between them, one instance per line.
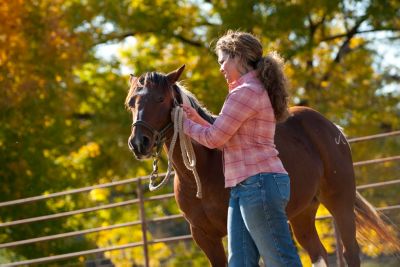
x=143 y=221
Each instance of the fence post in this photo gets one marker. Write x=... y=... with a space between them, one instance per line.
x=339 y=245
x=143 y=222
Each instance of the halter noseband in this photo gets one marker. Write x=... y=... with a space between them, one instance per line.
x=159 y=136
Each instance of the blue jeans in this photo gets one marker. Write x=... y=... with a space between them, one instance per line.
x=257 y=222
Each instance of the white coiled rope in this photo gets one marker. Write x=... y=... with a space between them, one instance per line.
x=188 y=155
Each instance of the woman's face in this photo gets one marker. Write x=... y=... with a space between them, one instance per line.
x=229 y=66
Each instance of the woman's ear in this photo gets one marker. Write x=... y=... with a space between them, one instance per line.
x=173 y=76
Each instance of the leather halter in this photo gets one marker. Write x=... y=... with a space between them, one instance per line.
x=160 y=138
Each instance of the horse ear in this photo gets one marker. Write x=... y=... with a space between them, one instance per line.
x=132 y=78
x=173 y=76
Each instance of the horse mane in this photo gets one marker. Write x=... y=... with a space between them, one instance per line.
x=195 y=103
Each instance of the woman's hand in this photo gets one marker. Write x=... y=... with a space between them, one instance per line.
x=192 y=114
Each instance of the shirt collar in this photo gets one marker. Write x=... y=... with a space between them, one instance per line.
x=244 y=78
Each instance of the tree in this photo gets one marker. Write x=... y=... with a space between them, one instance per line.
x=64 y=125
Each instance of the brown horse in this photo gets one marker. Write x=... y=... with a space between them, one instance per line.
x=313 y=150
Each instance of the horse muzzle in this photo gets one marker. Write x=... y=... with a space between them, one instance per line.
x=140 y=146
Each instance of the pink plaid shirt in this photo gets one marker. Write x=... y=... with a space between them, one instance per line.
x=245 y=130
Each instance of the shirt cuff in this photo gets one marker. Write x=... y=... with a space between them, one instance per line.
x=187 y=124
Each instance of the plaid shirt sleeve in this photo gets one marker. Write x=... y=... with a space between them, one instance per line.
x=239 y=106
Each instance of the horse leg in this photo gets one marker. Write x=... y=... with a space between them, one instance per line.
x=303 y=226
x=343 y=213
x=212 y=246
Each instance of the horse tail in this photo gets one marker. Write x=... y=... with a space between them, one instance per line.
x=368 y=218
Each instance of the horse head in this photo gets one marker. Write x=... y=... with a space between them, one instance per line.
x=150 y=99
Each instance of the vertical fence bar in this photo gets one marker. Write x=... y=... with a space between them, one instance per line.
x=143 y=222
x=339 y=246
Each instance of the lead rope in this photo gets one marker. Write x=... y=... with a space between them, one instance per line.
x=188 y=155
x=154 y=174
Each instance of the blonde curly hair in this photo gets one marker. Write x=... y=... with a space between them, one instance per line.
x=269 y=68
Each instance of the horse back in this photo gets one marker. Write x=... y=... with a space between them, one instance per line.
x=316 y=155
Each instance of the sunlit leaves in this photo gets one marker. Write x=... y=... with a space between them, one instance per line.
x=99 y=194
x=63 y=123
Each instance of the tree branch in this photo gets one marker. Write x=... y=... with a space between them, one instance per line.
x=392 y=78
x=114 y=37
x=188 y=41
x=341 y=35
x=122 y=36
x=345 y=48
x=312 y=30
x=83 y=116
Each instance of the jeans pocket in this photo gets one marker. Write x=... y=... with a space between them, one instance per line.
x=251 y=182
x=283 y=183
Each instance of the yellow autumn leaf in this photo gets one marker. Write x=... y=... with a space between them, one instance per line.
x=355 y=42
x=324 y=84
x=99 y=194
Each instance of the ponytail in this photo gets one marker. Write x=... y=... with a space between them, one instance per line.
x=270 y=72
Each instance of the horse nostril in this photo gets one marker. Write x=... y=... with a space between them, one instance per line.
x=131 y=144
x=139 y=144
x=146 y=142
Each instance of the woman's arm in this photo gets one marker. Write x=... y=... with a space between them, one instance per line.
x=239 y=106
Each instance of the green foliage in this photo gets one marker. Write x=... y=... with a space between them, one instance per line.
x=63 y=123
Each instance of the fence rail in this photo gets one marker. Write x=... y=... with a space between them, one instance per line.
x=143 y=221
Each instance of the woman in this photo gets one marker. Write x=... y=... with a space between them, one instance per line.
x=245 y=128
